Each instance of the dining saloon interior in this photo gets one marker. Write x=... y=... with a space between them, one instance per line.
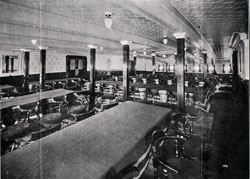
x=105 y=89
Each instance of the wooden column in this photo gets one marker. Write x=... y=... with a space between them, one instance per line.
x=125 y=70
x=42 y=69
x=12 y=64
x=180 y=62
x=26 y=70
x=7 y=62
x=153 y=63
x=235 y=70
x=205 y=67
x=92 y=75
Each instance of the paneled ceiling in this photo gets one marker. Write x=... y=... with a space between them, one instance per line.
x=216 y=20
x=69 y=26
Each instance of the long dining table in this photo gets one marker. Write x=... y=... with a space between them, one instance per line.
x=30 y=98
x=95 y=148
x=6 y=87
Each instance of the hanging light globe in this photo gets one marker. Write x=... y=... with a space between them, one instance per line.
x=108 y=20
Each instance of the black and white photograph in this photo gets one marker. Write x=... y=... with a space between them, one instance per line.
x=124 y=89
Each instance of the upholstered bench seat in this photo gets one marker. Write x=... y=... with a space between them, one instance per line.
x=78 y=109
x=51 y=119
x=15 y=131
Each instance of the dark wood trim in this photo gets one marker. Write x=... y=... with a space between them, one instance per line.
x=205 y=67
x=42 y=68
x=153 y=65
x=27 y=70
x=92 y=77
x=72 y=73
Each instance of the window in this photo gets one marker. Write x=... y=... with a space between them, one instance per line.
x=9 y=63
x=72 y=64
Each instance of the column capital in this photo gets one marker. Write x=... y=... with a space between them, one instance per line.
x=25 y=50
x=42 y=48
x=204 y=52
x=92 y=46
x=153 y=54
x=125 y=42
x=180 y=35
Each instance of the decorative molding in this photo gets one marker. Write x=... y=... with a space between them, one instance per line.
x=91 y=46
x=236 y=38
x=181 y=35
x=54 y=29
x=150 y=43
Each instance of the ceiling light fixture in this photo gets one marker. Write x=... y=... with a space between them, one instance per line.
x=108 y=20
x=165 y=40
x=144 y=52
x=164 y=56
x=40 y=47
x=33 y=41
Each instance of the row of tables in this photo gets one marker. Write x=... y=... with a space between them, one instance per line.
x=5 y=87
x=150 y=85
x=98 y=147
x=5 y=103
x=9 y=102
x=35 y=97
x=199 y=91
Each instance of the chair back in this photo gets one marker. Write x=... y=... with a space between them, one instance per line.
x=163 y=96
x=154 y=91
